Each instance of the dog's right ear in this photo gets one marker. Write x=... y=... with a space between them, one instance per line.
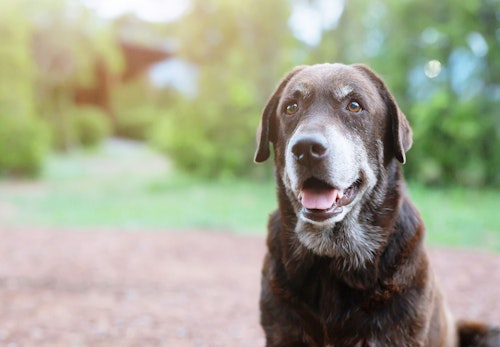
x=267 y=130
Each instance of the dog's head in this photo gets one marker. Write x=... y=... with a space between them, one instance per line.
x=335 y=128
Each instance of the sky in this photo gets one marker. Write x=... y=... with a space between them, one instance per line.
x=150 y=10
x=306 y=22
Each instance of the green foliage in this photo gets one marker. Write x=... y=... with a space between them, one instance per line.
x=68 y=43
x=23 y=138
x=209 y=136
x=451 y=145
x=136 y=109
x=235 y=46
x=24 y=143
x=62 y=128
x=78 y=126
x=136 y=123
x=16 y=66
x=91 y=126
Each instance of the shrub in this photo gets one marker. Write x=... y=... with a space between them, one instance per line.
x=24 y=143
x=136 y=122
x=210 y=136
x=455 y=142
x=136 y=106
x=91 y=125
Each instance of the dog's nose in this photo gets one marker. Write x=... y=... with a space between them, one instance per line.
x=308 y=149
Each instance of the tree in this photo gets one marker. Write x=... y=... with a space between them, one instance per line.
x=69 y=42
x=23 y=138
x=241 y=49
x=450 y=56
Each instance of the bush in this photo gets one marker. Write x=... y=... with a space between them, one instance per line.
x=209 y=137
x=211 y=131
x=454 y=142
x=24 y=143
x=91 y=125
x=136 y=105
x=135 y=123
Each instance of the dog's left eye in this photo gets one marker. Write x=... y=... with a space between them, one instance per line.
x=354 y=107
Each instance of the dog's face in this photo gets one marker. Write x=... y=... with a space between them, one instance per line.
x=334 y=128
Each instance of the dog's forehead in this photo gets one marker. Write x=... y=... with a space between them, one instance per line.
x=341 y=80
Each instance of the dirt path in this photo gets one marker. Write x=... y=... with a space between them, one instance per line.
x=102 y=288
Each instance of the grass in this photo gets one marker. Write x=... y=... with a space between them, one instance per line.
x=459 y=216
x=131 y=188
x=125 y=186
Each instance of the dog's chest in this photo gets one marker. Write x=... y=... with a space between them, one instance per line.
x=350 y=317
x=359 y=344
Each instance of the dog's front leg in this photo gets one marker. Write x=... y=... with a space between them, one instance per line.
x=286 y=321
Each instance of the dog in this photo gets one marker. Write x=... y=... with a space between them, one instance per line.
x=346 y=265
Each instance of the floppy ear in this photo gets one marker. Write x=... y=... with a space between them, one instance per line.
x=401 y=131
x=267 y=131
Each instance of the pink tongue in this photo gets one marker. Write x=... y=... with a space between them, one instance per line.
x=323 y=199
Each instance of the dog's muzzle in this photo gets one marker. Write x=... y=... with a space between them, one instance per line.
x=321 y=199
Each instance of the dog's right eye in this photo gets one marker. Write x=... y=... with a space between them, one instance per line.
x=292 y=108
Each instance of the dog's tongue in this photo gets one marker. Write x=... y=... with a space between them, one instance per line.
x=319 y=199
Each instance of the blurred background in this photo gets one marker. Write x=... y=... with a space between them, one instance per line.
x=142 y=114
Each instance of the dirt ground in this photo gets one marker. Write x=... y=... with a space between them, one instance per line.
x=175 y=289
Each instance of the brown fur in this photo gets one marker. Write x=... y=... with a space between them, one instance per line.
x=342 y=294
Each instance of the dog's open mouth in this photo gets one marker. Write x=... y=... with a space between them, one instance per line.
x=321 y=201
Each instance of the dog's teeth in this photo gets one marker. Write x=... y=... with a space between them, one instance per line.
x=340 y=194
x=335 y=196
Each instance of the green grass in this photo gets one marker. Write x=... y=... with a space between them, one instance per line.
x=459 y=216
x=172 y=202
x=121 y=188
x=131 y=189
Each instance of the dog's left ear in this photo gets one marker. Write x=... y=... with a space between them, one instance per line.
x=267 y=130
x=401 y=130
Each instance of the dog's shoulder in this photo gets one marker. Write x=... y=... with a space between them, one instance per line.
x=273 y=234
x=405 y=250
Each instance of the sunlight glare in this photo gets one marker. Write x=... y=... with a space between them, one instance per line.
x=150 y=10
x=309 y=20
x=432 y=68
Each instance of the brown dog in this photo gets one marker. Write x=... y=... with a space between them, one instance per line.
x=346 y=265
